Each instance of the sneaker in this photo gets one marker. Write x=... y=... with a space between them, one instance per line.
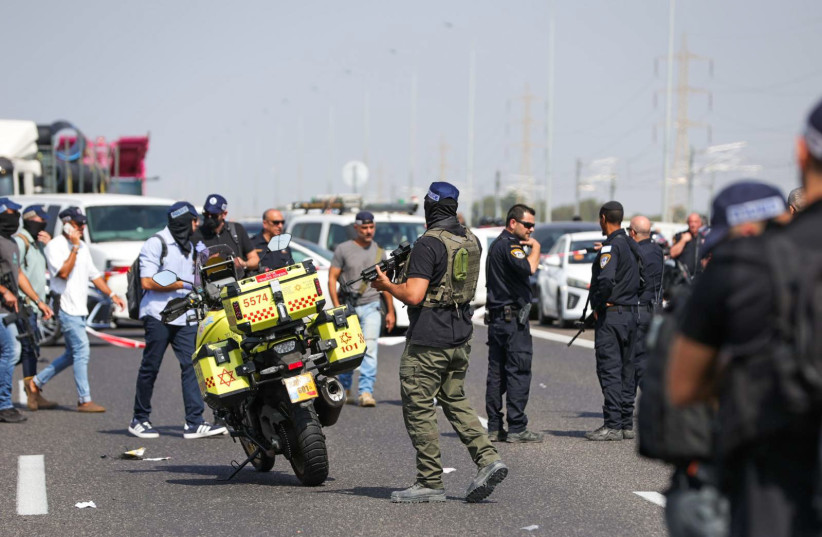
x=418 y=493
x=366 y=399
x=525 y=437
x=604 y=434
x=628 y=434
x=90 y=406
x=142 y=430
x=497 y=436
x=202 y=430
x=488 y=477
x=11 y=415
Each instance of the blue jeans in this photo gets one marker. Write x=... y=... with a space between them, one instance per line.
x=182 y=340
x=370 y=321
x=9 y=355
x=77 y=354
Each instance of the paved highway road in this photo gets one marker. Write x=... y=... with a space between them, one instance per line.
x=565 y=486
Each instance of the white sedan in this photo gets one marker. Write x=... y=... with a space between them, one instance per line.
x=565 y=277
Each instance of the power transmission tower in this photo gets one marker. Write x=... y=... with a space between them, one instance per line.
x=527 y=122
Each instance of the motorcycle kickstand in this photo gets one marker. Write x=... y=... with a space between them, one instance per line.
x=239 y=467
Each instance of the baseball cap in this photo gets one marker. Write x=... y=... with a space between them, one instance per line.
x=364 y=217
x=744 y=201
x=73 y=214
x=6 y=204
x=181 y=208
x=35 y=210
x=813 y=132
x=215 y=204
x=441 y=190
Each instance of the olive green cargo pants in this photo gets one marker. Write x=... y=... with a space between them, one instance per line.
x=428 y=372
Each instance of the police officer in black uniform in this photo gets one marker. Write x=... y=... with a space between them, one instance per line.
x=614 y=297
x=650 y=299
x=273 y=225
x=507 y=270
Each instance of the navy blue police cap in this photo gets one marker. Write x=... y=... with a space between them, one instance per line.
x=364 y=217
x=215 y=204
x=180 y=209
x=72 y=214
x=6 y=204
x=813 y=132
x=440 y=190
x=743 y=201
x=33 y=211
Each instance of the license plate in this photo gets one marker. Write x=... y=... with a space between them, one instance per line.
x=301 y=387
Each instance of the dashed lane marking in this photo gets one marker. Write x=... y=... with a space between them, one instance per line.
x=21 y=395
x=31 y=485
x=653 y=497
x=538 y=333
x=391 y=340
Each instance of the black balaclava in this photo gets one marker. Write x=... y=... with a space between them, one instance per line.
x=440 y=213
x=9 y=223
x=210 y=223
x=34 y=227
x=180 y=229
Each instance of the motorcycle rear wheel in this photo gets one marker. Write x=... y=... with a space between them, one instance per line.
x=309 y=455
x=262 y=462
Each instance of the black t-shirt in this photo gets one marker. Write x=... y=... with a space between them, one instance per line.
x=241 y=247
x=436 y=327
x=271 y=260
x=692 y=253
x=507 y=273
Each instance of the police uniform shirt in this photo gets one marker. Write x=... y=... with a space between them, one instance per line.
x=507 y=273
x=651 y=254
x=614 y=273
x=9 y=264
x=436 y=327
x=271 y=260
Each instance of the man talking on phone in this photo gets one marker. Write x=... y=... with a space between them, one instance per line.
x=71 y=267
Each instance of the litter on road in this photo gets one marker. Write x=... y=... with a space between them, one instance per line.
x=83 y=505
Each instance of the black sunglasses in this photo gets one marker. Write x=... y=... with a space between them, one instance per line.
x=528 y=225
x=276 y=222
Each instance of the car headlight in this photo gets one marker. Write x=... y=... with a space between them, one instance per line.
x=579 y=284
x=284 y=347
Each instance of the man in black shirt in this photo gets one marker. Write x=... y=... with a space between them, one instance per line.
x=687 y=246
x=507 y=271
x=614 y=297
x=651 y=297
x=438 y=284
x=273 y=225
x=217 y=230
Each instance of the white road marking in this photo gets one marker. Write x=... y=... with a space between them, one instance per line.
x=530 y=528
x=483 y=422
x=653 y=497
x=31 y=485
x=21 y=396
x=550 y=336
x=448 y=470
x=391 y=340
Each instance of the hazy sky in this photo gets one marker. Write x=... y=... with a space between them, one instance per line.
x=240 y=98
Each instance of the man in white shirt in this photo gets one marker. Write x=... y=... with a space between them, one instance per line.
x=71 y=267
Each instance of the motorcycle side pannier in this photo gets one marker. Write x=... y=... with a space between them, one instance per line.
x=342 y=326
x=271 y=298
x=215 y=366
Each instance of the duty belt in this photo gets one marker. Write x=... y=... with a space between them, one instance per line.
x=501 y=312
x=620 y=308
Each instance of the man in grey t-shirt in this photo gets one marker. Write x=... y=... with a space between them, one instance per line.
x=350 y=259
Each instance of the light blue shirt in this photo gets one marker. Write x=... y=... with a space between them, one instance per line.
x=176 y=261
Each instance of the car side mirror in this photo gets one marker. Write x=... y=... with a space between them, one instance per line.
x=553 y=260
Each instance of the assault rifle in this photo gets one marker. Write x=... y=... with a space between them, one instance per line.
x=583 y=324
x=390 y=265
x=25 y=330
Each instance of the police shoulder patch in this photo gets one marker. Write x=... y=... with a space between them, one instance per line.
x=603 y=260
x=518 y=253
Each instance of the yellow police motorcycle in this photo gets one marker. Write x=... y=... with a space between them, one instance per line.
x=265 y=357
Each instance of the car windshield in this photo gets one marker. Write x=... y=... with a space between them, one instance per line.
x=389 y=235
x=107 y=223
x=316 y=248
x=549 y=234
x=582 y=258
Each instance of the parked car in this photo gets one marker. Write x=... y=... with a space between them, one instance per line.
x=565 y=277
x=329 y=230
x=486 y=236
x=117 y=227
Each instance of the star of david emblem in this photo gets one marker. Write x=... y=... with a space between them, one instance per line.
x=345 y=338
x=226 y=377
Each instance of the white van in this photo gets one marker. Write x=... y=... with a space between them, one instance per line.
x=329 y=230
x=117 y=227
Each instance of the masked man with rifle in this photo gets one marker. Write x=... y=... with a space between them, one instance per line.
x=31 y=241
x=438 y=283
x=12 y=280
x=350 y=259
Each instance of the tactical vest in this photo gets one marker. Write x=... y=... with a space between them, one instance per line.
x=459 y=283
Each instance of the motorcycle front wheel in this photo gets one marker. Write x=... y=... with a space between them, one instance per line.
x=309 y=456
x=262 y=462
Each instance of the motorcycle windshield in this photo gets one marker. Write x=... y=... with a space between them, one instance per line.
x=215 y=264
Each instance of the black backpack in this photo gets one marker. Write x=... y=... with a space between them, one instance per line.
x=134 y=289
